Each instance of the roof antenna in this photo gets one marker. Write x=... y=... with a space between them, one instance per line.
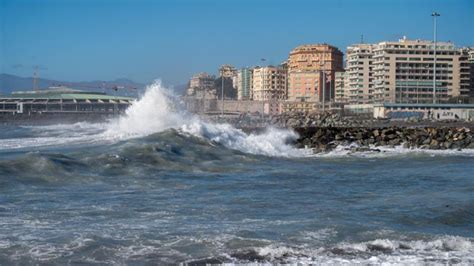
x=362 y=38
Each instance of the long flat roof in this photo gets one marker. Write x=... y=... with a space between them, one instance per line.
x=64 y=95
x=430 y=105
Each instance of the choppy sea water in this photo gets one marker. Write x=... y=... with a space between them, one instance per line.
x=182 y=191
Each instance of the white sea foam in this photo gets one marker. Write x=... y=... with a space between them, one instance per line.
x=158 y=110
x=154 y=112
x=443 y=250
x=385 y=151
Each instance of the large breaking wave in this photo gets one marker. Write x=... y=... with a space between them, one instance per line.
x=158 y=110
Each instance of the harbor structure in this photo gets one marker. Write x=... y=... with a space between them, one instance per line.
x=60 y=102
x=311 y=72
x=424 y=111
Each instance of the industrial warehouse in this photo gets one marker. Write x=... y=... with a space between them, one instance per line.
x=60 y=104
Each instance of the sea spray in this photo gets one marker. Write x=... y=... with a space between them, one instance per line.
x=153 y=112
x=158 y=109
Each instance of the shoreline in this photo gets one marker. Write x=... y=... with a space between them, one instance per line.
x=325 y=139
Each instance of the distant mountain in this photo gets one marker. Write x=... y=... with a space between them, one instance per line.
x=125 y=87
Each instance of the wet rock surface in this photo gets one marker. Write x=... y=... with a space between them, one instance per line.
x=324 y=139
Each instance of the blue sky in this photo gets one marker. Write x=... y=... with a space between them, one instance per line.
x=141 y=40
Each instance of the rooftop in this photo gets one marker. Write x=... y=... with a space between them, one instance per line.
x=427 y=105
x=57 y=93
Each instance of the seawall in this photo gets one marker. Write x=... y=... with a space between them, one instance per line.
x=323 y=139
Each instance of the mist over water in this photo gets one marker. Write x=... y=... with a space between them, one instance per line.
x=160 y=186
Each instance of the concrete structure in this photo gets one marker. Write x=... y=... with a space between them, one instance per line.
x=341 y=78
x=306 y=65
x=470 y=53
x=425 y=111
x=243 y=82
x=269 y=83
x=62 y=100
x=359 y=66
x=202 y=86
x=232 y=107
x=403 y=72
x=227 y=71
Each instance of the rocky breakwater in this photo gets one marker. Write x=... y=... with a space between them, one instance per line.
x=324 y=139
x=297 y=119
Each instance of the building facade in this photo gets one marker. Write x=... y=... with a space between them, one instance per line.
x=227 y=71
x=310 y=68
x=202 y=86
x=403 y=72
x=470 y=53
x=359 y=67
x=243 y=82
x=340 y=81
x=269 y=83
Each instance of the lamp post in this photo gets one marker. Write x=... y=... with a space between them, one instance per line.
x=324 y=81
x=222 y=93
x=434 y=15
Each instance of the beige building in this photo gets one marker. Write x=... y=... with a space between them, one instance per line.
x=403 y=72
x=360 y=80
x=306 y=65
x=227 y=71
x=340 y=81
x=202 y=86
x=269 y=83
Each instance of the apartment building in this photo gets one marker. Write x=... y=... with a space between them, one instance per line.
x=227 y=71
x=269 y=83
x=403 y=72
x=470 y=53
x=311 y=66
x=243 y=82
x=202 y=86
x=341 y=78
x=360 y=79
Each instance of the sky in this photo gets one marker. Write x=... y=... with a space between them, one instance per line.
x=80 y=40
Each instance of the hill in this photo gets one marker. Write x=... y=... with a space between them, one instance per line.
x=126 y=87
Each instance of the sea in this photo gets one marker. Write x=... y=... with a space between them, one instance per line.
x=159 y=186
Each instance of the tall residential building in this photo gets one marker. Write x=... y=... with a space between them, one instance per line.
x=341 y=95
x=470 y=53
x=243 y=82
x=403 y=72
x=269 y=83
x=201 y=85
x=306 y=65
x=227 y=71
x=359 y=67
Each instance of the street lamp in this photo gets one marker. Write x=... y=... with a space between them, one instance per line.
x=434 y=15
x=322 y=63
x=222 y=93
